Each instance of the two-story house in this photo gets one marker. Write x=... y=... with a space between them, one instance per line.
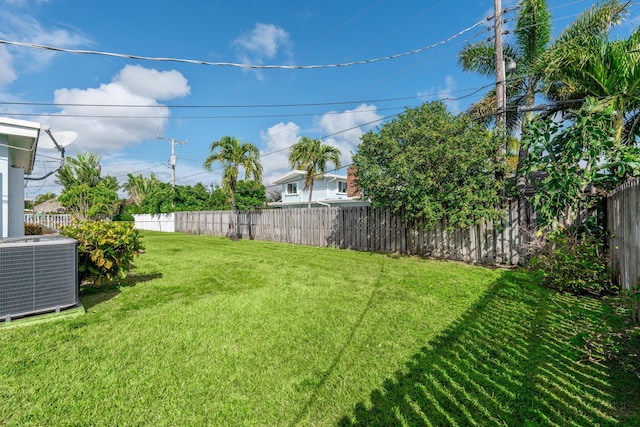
x=328 y=190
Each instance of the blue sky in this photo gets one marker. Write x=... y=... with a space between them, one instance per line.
x=271 y=108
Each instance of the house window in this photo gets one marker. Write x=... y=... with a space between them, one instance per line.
x=292 y=188
x=342 y=186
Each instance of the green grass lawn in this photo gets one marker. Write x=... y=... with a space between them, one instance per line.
x=210 y=332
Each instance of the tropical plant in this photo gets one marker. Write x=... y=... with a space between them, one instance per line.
x=428 y=164
x=84 y=191
x=533 y=33
x=538 y=62
x=588 y=64
x=138 y=187
x=313 y=157
x=105 y=249
x=574 y=154
x=82 y=169
x=234 y=155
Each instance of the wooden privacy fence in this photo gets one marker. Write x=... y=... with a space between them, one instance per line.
x=623 y=224
x=367 y=229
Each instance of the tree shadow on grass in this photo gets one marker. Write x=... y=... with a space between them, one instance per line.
x=510 y=360
x=92 y=295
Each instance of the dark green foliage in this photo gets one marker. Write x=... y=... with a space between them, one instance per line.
x=250 y=195
x=105 y=249
x=428 y=164
x=33 y=229
x=573 y=264
x=574 y=154
x=123 y=216
x=163 y=199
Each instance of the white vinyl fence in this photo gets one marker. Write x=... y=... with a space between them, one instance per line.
x=156 y=222
x=54 y=221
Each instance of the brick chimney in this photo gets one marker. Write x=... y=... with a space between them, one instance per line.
x=353 y=189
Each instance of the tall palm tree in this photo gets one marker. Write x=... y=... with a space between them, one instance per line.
x=312 y=157
x=533 y=36
x=234 y=155
x=591 y=65
x=533 y=33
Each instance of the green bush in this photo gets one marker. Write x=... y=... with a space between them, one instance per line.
x=32 y=229
x=105 y=249
x=124 y=216
x=572 y=264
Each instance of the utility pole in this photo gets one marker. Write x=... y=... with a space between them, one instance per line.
x=501 y=104
x=174 y=158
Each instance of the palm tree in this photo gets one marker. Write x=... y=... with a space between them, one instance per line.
x=139 y=187
x=533 y=33
x=312 y=157
x=233 y=155
x=594 y=66
x=531 y=52
x=82 y=169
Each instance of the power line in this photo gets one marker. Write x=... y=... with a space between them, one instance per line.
x=237 y=65
x=247 y=116
x=199 y=106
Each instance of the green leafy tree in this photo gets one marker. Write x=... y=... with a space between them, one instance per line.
x=234 y=155
x=428 y=164
x=574 y=154
x=313 y=157
x=85 y=193
x=219 y=200
x=163 y=198
x=250 y=195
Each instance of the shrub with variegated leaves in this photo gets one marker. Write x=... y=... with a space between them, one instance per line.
x=105 y=249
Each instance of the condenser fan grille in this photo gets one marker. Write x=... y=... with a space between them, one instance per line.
x=37 y=274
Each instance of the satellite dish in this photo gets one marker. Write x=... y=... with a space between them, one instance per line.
x=62 y=138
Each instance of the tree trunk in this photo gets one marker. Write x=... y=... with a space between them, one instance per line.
x=233 y=224
x=521 y=178
x=310 y=194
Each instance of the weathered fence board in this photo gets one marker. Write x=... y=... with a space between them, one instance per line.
x=623 y=224
x=366 y=229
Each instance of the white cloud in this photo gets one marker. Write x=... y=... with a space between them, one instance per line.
x=7 y=73
x=265 y=41
x=130 y=125
x=24 y=28
x=349 y=125
x=152 y=83
x=278 y=139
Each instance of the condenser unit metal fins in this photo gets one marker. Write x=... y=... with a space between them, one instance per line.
x=38 y=274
